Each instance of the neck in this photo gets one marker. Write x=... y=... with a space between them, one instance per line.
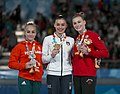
x=58 y=34
x=84 y=30
x=30 y=41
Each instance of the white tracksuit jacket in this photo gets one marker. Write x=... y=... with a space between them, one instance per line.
x=60 y=65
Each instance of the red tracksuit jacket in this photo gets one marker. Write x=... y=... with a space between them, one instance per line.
x=85 y=66
x=19 y=58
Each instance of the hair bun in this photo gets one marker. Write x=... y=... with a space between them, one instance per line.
x=59 y=16
x=81 y=14
x=30 y=22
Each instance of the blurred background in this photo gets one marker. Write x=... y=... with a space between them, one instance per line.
x=102 y=17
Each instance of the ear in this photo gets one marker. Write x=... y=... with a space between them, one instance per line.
x=84 y=22
x=66 y=25
x=24 y=32
x=54 y=25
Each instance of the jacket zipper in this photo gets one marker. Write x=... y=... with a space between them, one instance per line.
x=61 y=57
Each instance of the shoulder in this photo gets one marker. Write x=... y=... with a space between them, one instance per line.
x=90 y=32
x=93 y=35
x=18 y=47
x=38 y=44
x=20 y=44
x=48 y=37
x=70 y=39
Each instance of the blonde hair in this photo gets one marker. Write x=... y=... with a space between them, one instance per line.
x=30 y=23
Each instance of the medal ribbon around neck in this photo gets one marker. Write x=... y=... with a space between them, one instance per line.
x=79 y=41
x=31 y=54
x=54 y=40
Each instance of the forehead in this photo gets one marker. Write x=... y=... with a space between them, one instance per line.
x=78 y=18
x=30 y=27
x=60 y=21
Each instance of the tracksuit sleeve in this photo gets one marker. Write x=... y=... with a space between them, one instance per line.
x=46 y=57
x=14 y=62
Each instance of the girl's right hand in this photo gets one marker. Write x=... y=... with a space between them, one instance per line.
x=29 y=65
x=54 y=52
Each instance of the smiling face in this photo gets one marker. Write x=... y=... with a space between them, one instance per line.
x=60 y=26
x=30 y=33
x=79 y=24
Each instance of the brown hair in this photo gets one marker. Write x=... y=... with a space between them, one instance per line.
x=58 y=17
x=81 y=14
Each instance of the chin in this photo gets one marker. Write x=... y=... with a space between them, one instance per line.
x=30 y=40
x=61 y=32
x=77 y=30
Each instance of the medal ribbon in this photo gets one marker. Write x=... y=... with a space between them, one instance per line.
x=79 y=42
x=54 y=40
x=32 y=55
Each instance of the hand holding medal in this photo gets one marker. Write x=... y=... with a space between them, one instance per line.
x=82 y=45
x=84 y=49
x=79 y=51
x=32 y=62
x=57 y=47
x=56 y=50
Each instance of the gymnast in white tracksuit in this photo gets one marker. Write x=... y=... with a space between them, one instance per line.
x=57 y=51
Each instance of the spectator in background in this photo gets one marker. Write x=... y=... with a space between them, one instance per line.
x=26 y=58
x=41 y=23
x=87 y=48
x=12 y=41
x=16 y=14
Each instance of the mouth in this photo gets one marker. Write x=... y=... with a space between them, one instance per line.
x=78 y=27
x=60 y=29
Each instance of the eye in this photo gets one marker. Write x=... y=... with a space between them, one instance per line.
x=74 y=23
x=58 y=24
x=28 y=31
x=79 y=21
x=63 y=24
x=33 y=32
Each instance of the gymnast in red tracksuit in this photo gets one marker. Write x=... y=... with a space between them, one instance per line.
x=88 y=47
x=26 y=57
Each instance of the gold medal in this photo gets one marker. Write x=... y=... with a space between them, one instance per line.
x=57 y=47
